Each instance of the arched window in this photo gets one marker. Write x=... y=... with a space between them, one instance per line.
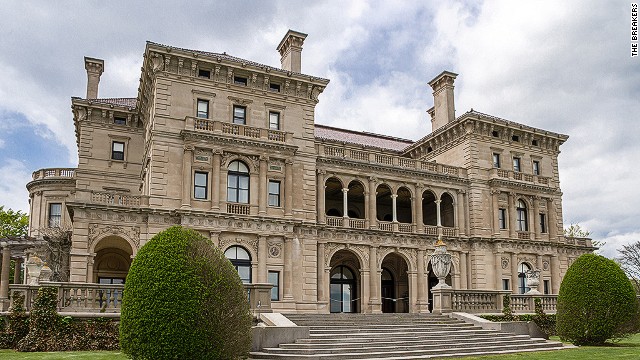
x=521 y=210
x=522 y=278
x=241 y=260
x=238 y=183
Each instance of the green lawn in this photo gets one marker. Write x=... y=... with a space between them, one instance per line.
x=626 y=349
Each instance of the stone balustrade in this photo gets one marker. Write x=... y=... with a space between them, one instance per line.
x=236 y=130
x=111 y=198
x=53 y=172
x=519 y=176
x=525 y=303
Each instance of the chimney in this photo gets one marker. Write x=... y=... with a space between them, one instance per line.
x=443 y=111
x=290 y=50
x=94 y=69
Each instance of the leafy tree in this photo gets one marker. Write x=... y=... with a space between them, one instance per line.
x=629 y=260
x=13 y=223
x=184 y=300
x=596 y=302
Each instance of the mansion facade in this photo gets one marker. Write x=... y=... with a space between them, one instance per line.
x=336 y=220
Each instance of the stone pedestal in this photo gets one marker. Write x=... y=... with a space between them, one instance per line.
x=442 y=300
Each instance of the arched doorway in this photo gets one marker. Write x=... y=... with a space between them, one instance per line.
x=112 y=261
x=241 y=260
x=522 y=278
x=394 y=284
x=433 y=281
x=344 y=283
x=447 y=211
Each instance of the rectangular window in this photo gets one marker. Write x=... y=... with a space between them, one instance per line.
x=274 y=120
x=200 y=184
x=274 y=193
x=516 y=164
x=536 y=167
x=117 y=150
x=203 y=109
x=496 y=160
x=502 y=218
x=119 y=120
x=55 y=214
x=505 y=284
x=543 y=223
x=239 y=115
x=239 y=80
x=204 y=73
x=547 y=287
x=274 y=87
x=274 y=279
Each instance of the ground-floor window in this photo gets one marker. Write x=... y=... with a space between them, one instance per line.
x=274 y=279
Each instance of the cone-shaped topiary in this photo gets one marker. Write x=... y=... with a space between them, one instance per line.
x=596 y=302
x=184 y=300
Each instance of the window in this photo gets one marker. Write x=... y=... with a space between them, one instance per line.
x=274 y=193
x=534 y=142
x=543 y=223
x=241 y=260
x=239 y=115
x=204 y=73
x=521 y=211
x=274 y=87
x=515 y=138
x=238 y=183
x=522 y=278
x=200 y=184
x=496 y=160
x=495 y=134
x=203 y=109
x=547 y=287
x=119 y=120
x=505 y=284
x=274 y=279
x=117 y=150
x=502 y=218
x=55 y=214
x=536 y=167
x=239 y=80
x=274 y=120
x=516 y=164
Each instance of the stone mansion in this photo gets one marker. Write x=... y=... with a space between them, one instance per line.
x=336 y=220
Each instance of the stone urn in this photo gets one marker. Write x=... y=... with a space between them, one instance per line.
x=441 y=264
x=34 y=266
x=533 y=280
x=45 y=273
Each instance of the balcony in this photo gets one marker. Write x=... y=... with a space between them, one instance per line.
x=53 y=173
x=519 y=176
x=236 y=130
x=390 y=226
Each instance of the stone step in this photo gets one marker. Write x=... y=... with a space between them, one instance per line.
x=319 y=348
x=326 y=341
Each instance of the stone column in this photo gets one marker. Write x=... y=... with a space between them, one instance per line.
x=16 y=271
x=423 y=302
x=320 y=274
x=321 y=216
x=536 y=218
x=418 y=205
x=464 y=282
x=539 y=266
x=438 y=219
x=461 y=217
x=288 y=188
x=288 y=274
x=512 y=215
x=6 y=269
x=394 y=198
x=555 y=274
x=345 y=208
x=495 y=194
x=262 y=259
x=262 y=187
x=413 y=296
x=514 y=273
x=373 y=222
x=187 y=160
x=498 y=270
x=365 y=278
x=215 y=181
x=374 y=280
x=553 y=221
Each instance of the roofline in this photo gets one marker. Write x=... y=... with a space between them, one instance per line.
x=365 y=133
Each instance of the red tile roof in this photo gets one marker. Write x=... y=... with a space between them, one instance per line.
x=361 y=138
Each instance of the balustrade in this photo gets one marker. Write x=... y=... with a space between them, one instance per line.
x=239 y=209
x=509 y=174
x=53 y=172
x=357 y=223
x=114 y=198
x=405 y=228
x=239 y=130
x=385 y=225
x=335 y=221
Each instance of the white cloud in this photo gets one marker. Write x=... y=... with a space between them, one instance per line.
x=14 y=175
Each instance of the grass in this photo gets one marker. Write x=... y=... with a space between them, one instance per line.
x=626 y=349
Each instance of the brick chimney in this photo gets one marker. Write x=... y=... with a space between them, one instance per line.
x=290 y=50
x=443 y=111
x=94 y=68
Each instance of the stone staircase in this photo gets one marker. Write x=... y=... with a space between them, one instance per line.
x=397 y=336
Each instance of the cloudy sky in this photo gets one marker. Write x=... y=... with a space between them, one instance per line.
x=561 y=66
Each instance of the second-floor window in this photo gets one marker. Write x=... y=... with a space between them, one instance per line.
x=274 y=193
x=502 y=218
x=239 y=115
x=55 y=214
x=274 y=120
x=203 y=109
x=238 y=183
x=521 y=212
x=536 y=167
x=543 y=223
x=200 y=185
x=496 y=160
x=119 y=120
x=516 y=164
x=117 y=150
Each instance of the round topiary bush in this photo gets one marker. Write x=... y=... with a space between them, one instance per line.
x=596 y=302
x=184 y=300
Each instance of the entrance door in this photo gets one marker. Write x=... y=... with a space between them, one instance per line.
x=388 y=292
x=342 y=290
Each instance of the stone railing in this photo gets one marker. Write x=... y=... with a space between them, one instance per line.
x=335 y=221
x=526 y=303
x=53 y=172
x=104 y=300
x=220 y=127
x=339 y=221
x=477 y=301
x=580 y=241
x=390 y=160
x=239 y=209
x=519 y=176
x=385 y=225
x=111 y=198
x=357 y=223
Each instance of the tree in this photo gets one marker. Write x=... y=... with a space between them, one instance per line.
x=629 y=260
x=575 y=230
x=13 y=223
x=596 y=302
x=183 y=299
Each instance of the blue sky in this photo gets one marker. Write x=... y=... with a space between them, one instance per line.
x=562 y=66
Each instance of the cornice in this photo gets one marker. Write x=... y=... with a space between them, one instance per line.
x=222 y=139
x=32 y=185
x=521 y=185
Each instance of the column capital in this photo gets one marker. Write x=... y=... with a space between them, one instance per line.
x=461 y=191
x=188 y=147
x=264 y=158
x=372 y=179
x=393 y=196
x=288 y=162
x=438 y=201
x=321 y=171
x=345 y=190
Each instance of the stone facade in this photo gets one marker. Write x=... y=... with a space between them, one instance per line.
x=338 y=220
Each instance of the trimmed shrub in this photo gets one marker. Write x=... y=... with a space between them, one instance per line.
x=506 y=308
x=546 y=323
x=596 y=302
x=184 y=300
x=44 y=322
x=17 y=323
